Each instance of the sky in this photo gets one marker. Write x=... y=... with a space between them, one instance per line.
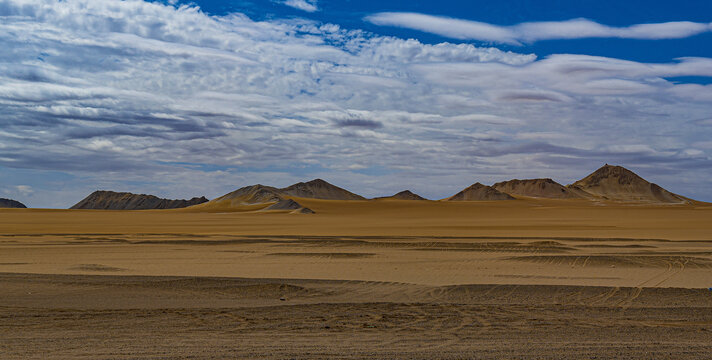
x=181 y=99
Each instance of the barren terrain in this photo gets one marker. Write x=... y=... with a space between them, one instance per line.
x=360 y=279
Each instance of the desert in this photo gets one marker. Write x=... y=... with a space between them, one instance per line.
x=385 y=278
x=339 y=179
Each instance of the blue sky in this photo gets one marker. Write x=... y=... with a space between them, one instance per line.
x=182 y=99
x=351 y=14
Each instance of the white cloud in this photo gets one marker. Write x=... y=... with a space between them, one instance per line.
x=535 y=31
x=125 y=90
x=305 y=5
x=25 y=190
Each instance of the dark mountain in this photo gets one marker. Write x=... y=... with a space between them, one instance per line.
x=110 y=200
x=403 y=195
x=319 y=189
x=9 y=203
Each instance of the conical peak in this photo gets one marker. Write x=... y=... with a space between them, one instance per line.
x=318 y=182
x=623 y=175
x=406 y=195
x=617 y=183
x=311 y=183
x=319 y=189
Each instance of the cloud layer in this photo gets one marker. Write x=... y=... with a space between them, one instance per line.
x=145 y=97
x=535 y=31
x=305 y=5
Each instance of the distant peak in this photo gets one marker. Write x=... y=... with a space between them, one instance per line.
x=537 y=188
x=318 y=182
x=111 y=200
x=624 y=175
x=608 y=167
x=613 y=182
x=537 y=180
x=117 y=193
x=9 y=203
x=479 y=191
x=319 y=189
x=404 y=195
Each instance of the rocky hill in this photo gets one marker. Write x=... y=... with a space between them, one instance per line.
x=110 y=200
x=403 y=195
x=617 y=183
x=539 y=188
x=319 y=189
x=249 y=195
x=9 y=203
x=268 y=198
x=479 y=192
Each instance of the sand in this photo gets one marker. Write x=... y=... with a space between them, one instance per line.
x=360 y=279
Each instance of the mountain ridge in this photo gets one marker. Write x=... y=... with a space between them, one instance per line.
x=538 y=188
x=280 y=198
x=112 y=200
x=608 y=183
x=479 y=192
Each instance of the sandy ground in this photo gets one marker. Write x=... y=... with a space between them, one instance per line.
x=379 y=279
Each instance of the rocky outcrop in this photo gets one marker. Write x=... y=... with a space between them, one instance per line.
x=249 y=195
x=110 y=200
x=319 y=189
x=266 y=198
x=403 y=195
x=276 y=199
x=538 y=188
x=479 y=192
x=617 y=183
x=9 y=203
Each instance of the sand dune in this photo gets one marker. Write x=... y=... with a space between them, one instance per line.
x=254 y=198
x=289 y=204
x=248 y=195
